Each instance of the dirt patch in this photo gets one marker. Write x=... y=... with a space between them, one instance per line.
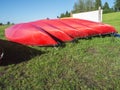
x=91 y=50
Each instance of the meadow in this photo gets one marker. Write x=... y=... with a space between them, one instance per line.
x=87 y=64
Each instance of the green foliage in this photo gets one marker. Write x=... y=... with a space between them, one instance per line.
x=67 y=14
x=83 y=5
x=117 y=5
x=1 y=23
x=88 y=5
x=98 y=4
x=76 y=8
x=8 y=23
x=106 y=8
x=92 y=64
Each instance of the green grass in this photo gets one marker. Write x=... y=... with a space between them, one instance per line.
x=86 y=65
x=112 y=19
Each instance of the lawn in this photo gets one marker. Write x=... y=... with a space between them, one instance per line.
x=86 y=65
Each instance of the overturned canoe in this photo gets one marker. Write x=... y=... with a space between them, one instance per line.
x=28 y=34
x=53 y=32
x=62 y=27
x=101 y=28
x=80 y=27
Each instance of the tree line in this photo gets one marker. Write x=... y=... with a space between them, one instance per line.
x=90 y=5
x=8 y=23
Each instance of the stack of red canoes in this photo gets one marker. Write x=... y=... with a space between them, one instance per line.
x=54 y=31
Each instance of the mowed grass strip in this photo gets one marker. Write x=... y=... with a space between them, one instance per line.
x=88 y=64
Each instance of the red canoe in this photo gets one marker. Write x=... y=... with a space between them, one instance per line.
x=103 y=29
x=28 y=34
x=72 y=32
x=87 y=30
x=56 y=33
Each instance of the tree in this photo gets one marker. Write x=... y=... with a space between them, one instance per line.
x=67 y=14
x=1 y=24
x=79 y=6
x=98 y=4
x=117 y=5
x=8 y=23
x=90 y=5
x=83 y=6
x=106 y=8
x=58 y=17
x=76 y=8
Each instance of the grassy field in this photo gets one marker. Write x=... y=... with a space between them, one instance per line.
x=86 y=65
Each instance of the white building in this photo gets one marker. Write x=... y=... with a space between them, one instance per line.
x=92 y=15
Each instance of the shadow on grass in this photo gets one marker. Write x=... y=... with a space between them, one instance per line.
x=16 y=53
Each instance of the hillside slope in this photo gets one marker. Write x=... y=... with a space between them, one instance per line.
x=92 y=64
x=112 y=19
